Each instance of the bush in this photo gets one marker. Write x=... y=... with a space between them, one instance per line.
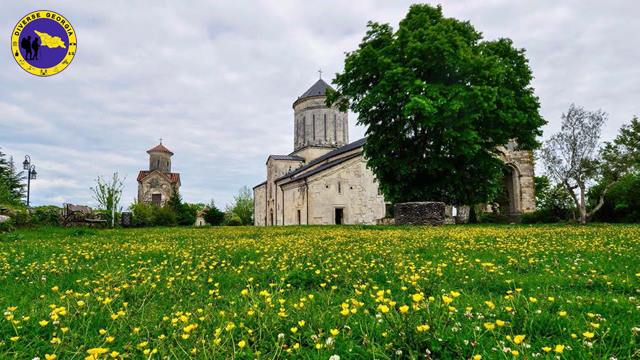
x=143 y=215
x=164 y=216
x=621 y=203
x=46 y=215
x=232 y=219
x=6 y=226
x=547 y=216
x=213 y=216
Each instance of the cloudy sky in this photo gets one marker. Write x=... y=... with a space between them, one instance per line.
x=216 y=80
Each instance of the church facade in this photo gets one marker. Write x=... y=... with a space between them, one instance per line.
x=325 y=180
x=156 y=185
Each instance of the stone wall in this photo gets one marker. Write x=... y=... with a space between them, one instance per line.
x=259 y=205
x=275 y=169
x=350 y=186
x=154 y=183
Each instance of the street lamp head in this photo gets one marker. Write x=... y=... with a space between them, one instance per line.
x=33 y=173
x=26 y=163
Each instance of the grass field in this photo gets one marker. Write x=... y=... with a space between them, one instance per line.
x=315 y=292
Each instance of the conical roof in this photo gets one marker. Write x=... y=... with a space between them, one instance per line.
x=160 y=148
x=317 y=89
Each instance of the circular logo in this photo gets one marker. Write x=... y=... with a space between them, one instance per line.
x=43 y=43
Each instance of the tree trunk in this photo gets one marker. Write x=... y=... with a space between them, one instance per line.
x=583 y=207
x=600 y=200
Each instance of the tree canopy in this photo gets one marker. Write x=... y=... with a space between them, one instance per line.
x=437 y=102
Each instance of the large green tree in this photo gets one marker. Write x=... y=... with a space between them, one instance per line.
x=437 y=102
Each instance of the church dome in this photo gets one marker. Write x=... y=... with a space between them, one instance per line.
x=318 y=89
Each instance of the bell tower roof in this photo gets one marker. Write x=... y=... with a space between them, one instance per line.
x=160 y=148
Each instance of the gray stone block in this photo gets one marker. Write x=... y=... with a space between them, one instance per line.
x=420 y=213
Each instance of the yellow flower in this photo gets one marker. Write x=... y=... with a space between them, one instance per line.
x=559 y=349
x=404 y=309
x=334 y=332
x=447 y=300
x=102 y=331
x=55 y=289
x=518 y=339
x=490 y=304
x=242 y=344
x=515 y=353
x=500 y=323
x=477 y=357
x=244 y=292
x=588 y=335
x=43 y=322
x=110 y=339
x=96 y=352
x=114 y=354
x=14 y=338
x=383 y=308
x=546 y=349
x=533 y=300
x=417 y=297
x=595 y=325
x=489 y=326
x=301 y=323
x=294 y=329
x=562 y=313
x=423 y=328
x=143 y=345
x=50 y=356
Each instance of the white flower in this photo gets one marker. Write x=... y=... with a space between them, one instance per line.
x=334 y=357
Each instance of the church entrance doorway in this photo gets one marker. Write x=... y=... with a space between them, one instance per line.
x=339 y=216
x=156 y=199
x=509 y=199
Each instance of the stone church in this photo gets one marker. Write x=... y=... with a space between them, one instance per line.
x=156 y=185
x=325 y=180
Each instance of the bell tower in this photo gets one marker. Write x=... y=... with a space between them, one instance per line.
x=160 y=158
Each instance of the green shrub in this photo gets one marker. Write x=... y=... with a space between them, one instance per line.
x=46 y=215
x=6 y=226
x=547 y=216
x=143 y=215
x=164 y=216
x=213 y=216
x=621 y=203
x=232 y=219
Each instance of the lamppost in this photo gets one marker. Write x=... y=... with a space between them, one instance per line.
x=31 y=174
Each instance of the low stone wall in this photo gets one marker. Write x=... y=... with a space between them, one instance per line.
x=420 y=213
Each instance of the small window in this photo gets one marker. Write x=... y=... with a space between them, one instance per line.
x=158 y=163
x=299 y=218
x=339 y=188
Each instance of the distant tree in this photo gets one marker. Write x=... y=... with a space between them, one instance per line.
x=213 y=216
x=242 y=206
x=572 y=157
x=107 y=194
x=11 y=186
x=437 y=101
x=553 y=202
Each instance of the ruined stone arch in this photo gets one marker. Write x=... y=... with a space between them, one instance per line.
x=513 y=187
